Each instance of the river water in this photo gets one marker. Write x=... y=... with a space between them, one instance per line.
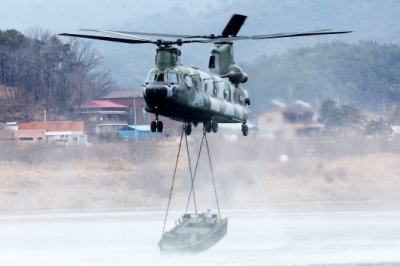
x=282 y=234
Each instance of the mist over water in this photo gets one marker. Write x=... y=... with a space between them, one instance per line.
x=360 y=226
x=277 y=234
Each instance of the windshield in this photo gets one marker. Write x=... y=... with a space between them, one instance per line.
x=170 y=77
x=151 y=77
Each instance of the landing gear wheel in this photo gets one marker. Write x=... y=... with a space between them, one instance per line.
x=207 y=126
x=214 y=126
x=188 y=129
x=159 y=126
x=153 y=126
x=245 y=130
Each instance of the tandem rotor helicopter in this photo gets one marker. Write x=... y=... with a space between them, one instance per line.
x=187 y=94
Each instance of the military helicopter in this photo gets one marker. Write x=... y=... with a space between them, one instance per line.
x=187 y=94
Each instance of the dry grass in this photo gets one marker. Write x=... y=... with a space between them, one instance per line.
x=246 y=171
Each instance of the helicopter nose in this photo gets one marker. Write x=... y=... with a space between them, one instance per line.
x=157 y=92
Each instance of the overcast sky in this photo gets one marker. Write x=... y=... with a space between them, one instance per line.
x=66 y=15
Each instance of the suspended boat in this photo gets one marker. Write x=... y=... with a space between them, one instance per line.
x=193 y=234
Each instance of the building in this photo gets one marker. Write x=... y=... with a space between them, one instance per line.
x=138 y=116
x=140 y=132
x=287 y=123
x=351 y=130
x=135 y=101
x=71 y=132
x=21 y=137
x=117 y=110
x=102 y=116
x=11 y=126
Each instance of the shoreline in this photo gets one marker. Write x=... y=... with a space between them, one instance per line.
x=270 y=208
x=105 y=177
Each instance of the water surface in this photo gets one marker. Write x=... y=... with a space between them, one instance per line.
x=282 y=234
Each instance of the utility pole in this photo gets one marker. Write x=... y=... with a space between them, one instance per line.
x=134 y=113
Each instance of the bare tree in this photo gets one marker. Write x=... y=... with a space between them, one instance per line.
x=43 y=72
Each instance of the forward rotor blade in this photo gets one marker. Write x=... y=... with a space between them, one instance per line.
x=110 y=39
x=145 y=33
x=120 y=34
x=132 y=40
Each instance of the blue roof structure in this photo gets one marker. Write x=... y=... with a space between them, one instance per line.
x=143 y=131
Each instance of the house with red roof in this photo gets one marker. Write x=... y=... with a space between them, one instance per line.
x=120 y=110
x=137 y=113
x=101 y=116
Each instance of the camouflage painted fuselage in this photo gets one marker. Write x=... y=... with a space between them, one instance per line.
x=189 y=95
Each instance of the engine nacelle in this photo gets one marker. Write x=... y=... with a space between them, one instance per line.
x=236 y=75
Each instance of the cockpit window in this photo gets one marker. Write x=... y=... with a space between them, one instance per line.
x=172 y=77
x=151 y=77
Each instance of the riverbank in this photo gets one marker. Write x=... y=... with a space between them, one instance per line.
x=247 y=177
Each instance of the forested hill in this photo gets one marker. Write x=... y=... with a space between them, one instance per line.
x=368 y=19
x=38 y=71
x=365 y=73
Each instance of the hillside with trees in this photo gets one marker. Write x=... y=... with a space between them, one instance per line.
x=368 y=19
x=38 y=71
x=364 y=73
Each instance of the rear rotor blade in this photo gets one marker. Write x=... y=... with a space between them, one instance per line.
x=296 y=34
x=234 y=25
x=231 y=29
x=271 y=36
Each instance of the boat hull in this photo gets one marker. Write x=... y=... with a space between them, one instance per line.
x=193 y=234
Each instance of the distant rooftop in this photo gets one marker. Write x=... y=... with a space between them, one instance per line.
x=123 y=94
x=102 y=104
x=53 y=126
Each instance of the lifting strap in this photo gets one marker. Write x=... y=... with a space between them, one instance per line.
x=192 y=176
x=212 y=173
x=192 y=181
x=173 y=181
